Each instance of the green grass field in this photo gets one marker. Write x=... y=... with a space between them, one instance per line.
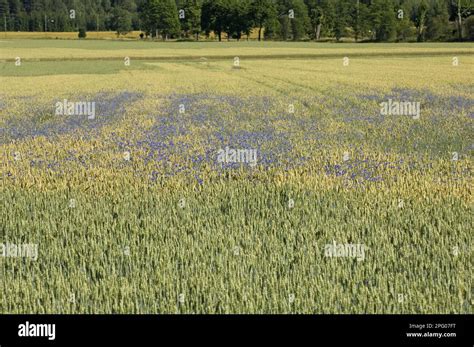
x=133 y=212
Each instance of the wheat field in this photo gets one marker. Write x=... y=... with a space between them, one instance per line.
x=132 y=209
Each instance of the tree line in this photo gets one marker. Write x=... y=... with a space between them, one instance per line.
x=359 y=20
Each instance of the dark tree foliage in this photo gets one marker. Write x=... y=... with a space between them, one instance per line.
x=353 y=20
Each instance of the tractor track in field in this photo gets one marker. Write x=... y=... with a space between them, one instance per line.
x=387 y=54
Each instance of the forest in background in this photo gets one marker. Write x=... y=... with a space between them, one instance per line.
x=359 y=20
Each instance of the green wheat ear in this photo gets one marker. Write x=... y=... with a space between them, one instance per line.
x=45 y=117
